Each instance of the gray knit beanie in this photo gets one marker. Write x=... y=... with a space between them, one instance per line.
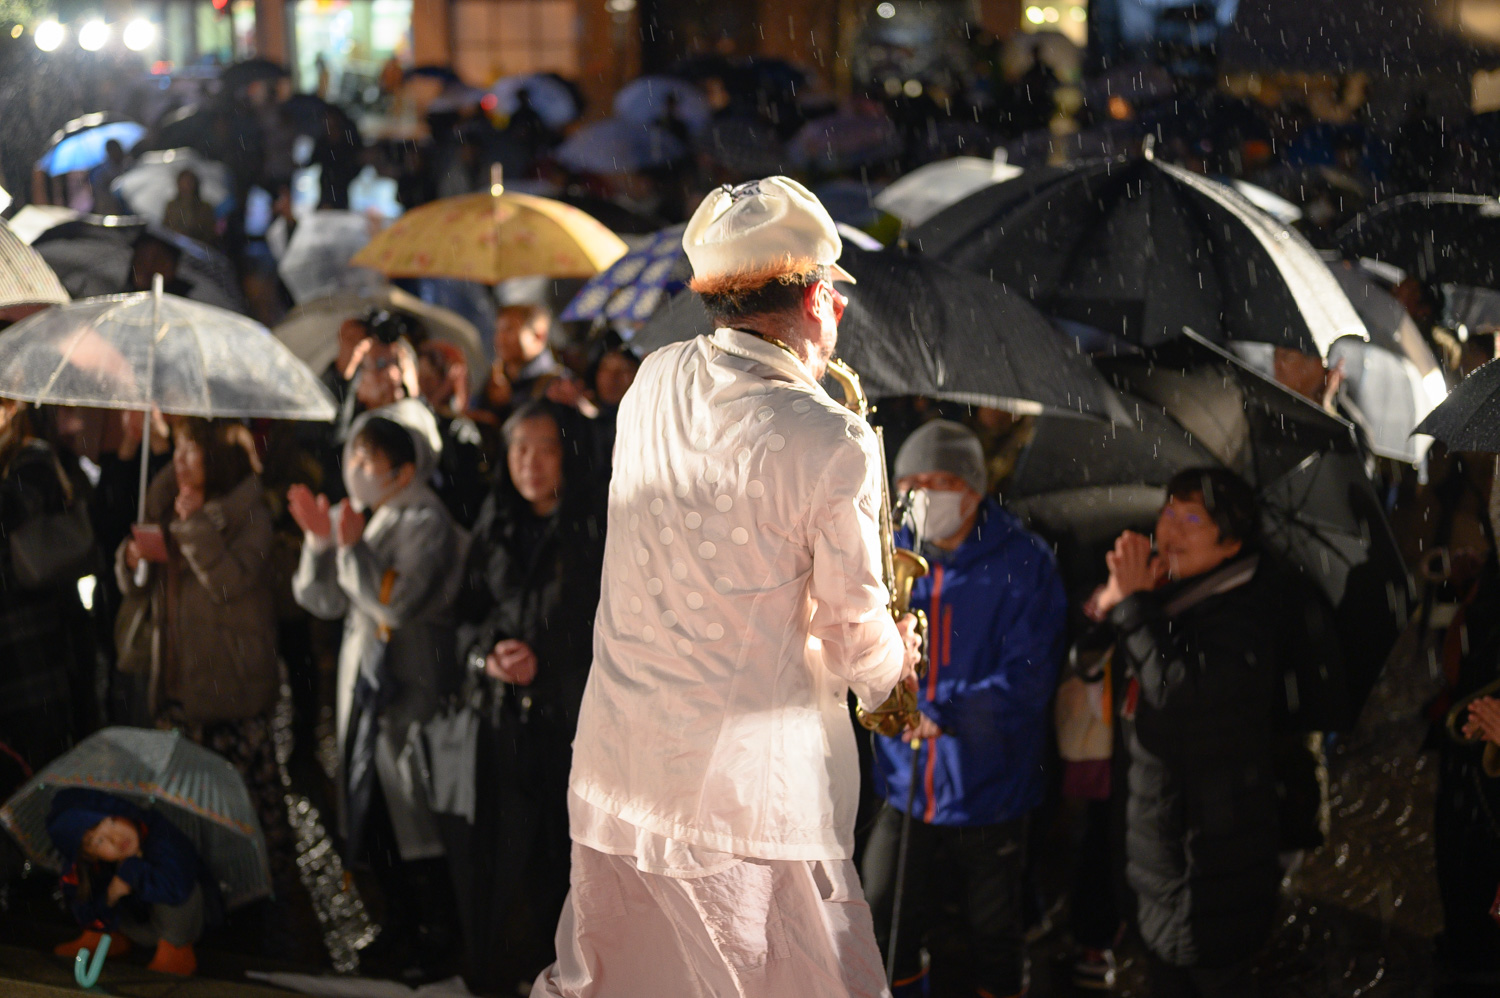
x=943 y=445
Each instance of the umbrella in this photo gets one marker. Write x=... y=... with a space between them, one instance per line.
x=1393 y=381
x=489 y=238
x=310 y=331
x=1322 y=518
x=647 y=100
x=631 y=288
x=455 y=98
x=189 y=127
x=247 y=71
x=25 y=278
x=1477 y=309
x=1469 y=419
x=743 y=146
x=916 y=327
x=845 y=140
x=927 y=190
x=549 y=97
x=195 y=789
x=149 y=185
x=316 y=261
x=79 y=145
x=1436 y=238
x=1144 y=249
x=652 y=271
x=142 y=350
x=616 y=146
x=92 y=257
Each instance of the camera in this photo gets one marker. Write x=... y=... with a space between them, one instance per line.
x=388 y=327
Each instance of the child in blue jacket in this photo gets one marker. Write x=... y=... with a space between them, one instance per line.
x=129 y=872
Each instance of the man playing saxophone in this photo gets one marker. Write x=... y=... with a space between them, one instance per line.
x=714 y=775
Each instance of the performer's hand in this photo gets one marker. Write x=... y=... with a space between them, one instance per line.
x=115 y=891
x=907 y=628
x=924 y=729
x=511 y=661
x=1484 y=720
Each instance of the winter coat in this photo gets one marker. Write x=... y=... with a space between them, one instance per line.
x=212 y=606
x=537 y=580
x=166 y=871
x=413 y=535
x=43 y=632
x=1197 y=703
x=996 y=612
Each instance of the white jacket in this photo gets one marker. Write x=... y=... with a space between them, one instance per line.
x=742 y=598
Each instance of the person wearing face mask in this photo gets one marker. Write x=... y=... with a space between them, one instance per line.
x=1197 y=662
x=388 y=561
x=996 y=612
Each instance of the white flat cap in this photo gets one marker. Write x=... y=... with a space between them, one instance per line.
x=746 y=235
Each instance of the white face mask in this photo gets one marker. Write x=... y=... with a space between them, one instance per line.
x=364 y=488
x=936 y=514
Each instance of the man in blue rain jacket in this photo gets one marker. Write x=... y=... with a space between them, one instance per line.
x=995 y=616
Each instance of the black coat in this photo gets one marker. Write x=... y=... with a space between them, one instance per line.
x=537 y=580
x=1197 y=712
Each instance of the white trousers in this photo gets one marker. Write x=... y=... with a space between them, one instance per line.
x=760 y=929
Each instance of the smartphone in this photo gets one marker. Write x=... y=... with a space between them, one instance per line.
x=150 y=541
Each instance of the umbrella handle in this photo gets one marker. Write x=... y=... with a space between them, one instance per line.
x=86 y=973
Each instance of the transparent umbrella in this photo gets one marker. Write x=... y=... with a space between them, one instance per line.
x=154 y=350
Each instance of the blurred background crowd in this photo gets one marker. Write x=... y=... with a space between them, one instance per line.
x=464 y=218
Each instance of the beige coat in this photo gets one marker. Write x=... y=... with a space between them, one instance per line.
x=212 y=608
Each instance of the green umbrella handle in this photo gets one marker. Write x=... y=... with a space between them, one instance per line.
x=86 y=973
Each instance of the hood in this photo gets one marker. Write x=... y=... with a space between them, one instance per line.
x=418 y=420
x=74 y=811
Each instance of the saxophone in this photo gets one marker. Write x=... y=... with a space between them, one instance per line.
x=899 y=568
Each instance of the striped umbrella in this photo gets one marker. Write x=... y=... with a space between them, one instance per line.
x=25 y=278
x=197 y=790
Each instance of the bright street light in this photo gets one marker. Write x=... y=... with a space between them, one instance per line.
x=93 y=35
x=139 y=34
x=886 y=10
x=48 y=35
x=1034 y=15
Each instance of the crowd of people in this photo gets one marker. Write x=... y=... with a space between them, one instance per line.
x=419 y=584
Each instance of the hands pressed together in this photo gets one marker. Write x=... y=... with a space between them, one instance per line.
x=1484 y=720
x=511 y=661
x=1132 y=569
x=314 y=515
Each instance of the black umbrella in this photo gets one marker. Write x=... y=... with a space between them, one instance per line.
x=1436 y=238
x=1323 y=522
x=1469 y=418
x=188 y=127
x=93 y=258
x=1141 y=249
x=917 y=327
x=248 y=71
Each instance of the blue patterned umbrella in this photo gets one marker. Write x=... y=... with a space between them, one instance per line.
x=197 y=790
x=631 y=288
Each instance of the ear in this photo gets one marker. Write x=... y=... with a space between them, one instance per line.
x=812 y=300
x=405 y=476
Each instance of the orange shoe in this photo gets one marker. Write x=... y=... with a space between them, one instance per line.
x=118 y=945
x=171 y=959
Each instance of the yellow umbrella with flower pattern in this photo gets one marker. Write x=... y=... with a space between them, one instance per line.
x=489 y=238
